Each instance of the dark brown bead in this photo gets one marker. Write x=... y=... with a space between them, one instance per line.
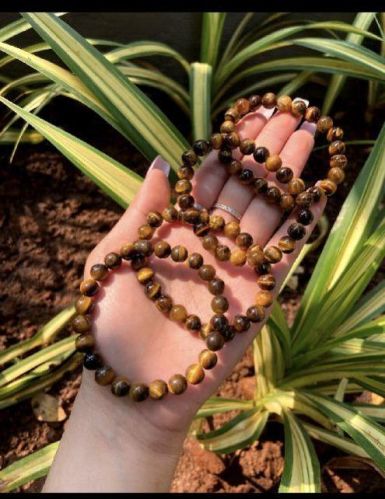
x=201 y=147
x=183 y=186
x=215 y=341
x=266 y=281
x=193 y=323
x=222 y=253
x=269 y=100
x=210 y=242
x=138 y=392
x=81 y=323
x=255 y=313
x=229 y=333
x=105 y=375
x=85 y=343
x=304 y=199
x=227 y=126
x=261 y=154
x=99 y=271
x=216 y=286
x=219 y=322
x=337 y=175
x=120 y=386
x=185 y=201
x=112 y=260
x=312 y=114
x=338 y=161
x=260 y=185
x=254 y=101
x=298 y=108
x=152 y=290
x=207 y=272
x=273 y=254
x=231 y=140
x=177 y=384
x=145 y=231
x=195 y=261
x=238 y=257
x=170 y=214
x=242 y=106
x=154 y=219
x=287 y=201
x=195 y=374
x=273 y=163
x=263 y=268
x=178 y=313
x=128 y=251
x=273 y=195
x=324 y=124
x=179 y=253
x=225 y=156
x=216 y=222
x=83 y=305
x=216 y=140
x=296 y=186
x=92 y=361
x=162 y=249
x=219 y=304
x=241 y=323
x=296 y=231
x=232 y=114
x=163 y=303
x=144 y=275
x=284 y=174
x=189 y=158
x=192 y=216
x=234 y=168
x=144 y=247
x=305 y=217
x=336 y=147
x=286 y=244
x=244 y=240
x=328 y=186
x=208 y=359
x=335 y=133
x=231 y=230
x=246 y=176
x=316 y=192
x=284 y=103
x=138 y=262
x=89 y=287
x=247 y=146
x=201 y=229
x=158 y=389
x=264 y=299
x=185 y=172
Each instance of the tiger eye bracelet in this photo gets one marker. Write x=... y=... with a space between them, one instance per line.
x=208 y=227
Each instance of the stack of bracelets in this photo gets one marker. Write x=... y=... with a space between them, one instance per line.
x=219 y=329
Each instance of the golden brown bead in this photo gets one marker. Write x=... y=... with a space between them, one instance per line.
x=195 y=261
x=189 y=158
x=298 y=108
x=185 y=172
x=312 y=114
x=266 y=282
x=127 y=251
x=216 y=286
x=177 y=384
x=105 y=375
x=195 y=374
x=269 y=100
x=227 y=127
x=247 y=146
x=152 y=290
x=210 y=242
x=112 y=260
x=144 y=275
x=255 y=255
x=85 y=343
x=205 y=330
x=183 y=186
x=178 y=313
x=207 y=272
x=273 y=195
x=273 y=163
x=231 y=230
x=238 y=257
x=231 y=140
x=179 y=253
x=154 y=219
x=215 y=341
x=138 y=392
x=99 y=271
x=324 y=124
x=244 y=240
x=120 y=386
x=242 y=106
x=163 y=303
x=158 y=389
x=216 y=222
x=296 y=186
x=208 y=359
x=255 y=313
x=284 y=103
x=204 y=216
x=335 y=133
x=287 y=201
x=216 y=140
x=234 y=168
x=144 y=247
x=222 y=253
x=219 y=304
x=170 y=214
x=89 y=287
x=254 y=101
x=328 y=186
x=284 y=174
x=336 y=147
x=162 y=249
x=304 y=199
x=338 y=161
x=241 y=323
x=264 y=299
x=83 y=305
x=145 y=231
x=193 y=323
x=201 y=229
x=273 y=254
x=286 y=244
x=232 y=114
x=337 y=175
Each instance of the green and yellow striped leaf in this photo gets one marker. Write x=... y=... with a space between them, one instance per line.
x=218 y=405
x=212 y=27
x=200 y=97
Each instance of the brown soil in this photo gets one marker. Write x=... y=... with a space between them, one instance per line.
x=50 y=218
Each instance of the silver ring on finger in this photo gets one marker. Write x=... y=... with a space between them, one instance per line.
x=228 y=209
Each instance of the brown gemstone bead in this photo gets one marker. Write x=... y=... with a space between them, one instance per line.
x=170 y=214
x=185 y=201
x=298 y=108
x=89 y=287
x=138 y=392
x=158 y=389
x=99 y=271
x=178 y=313
x=183 y=186
x=231 y=230
x=208 y=359
x=231 y=140
x=222 y=253
x=162 y=249
x=152 y=290
x=261 y=154
x=154 y=219
x=144 y=247
x=255 y=255
x=219 y=304
x=335 y=133
x=205 y=330
x=138 y=262
x=242 y=106
x=195 y=261
x=336 y=147
x=207 y=272
x=216 y=222
x=120 y=386
x=286 y=244
x=85 y=343
x=316 y=192
x=189 y=158
x=216 y=140
x=312 y=114
x=264 y=299
x=337 y=175
x=246 y=176
x=328 y=186
x=296 y=231
x=92 y=361
x=163 y=303
x=215 y=341
x=273 y=163
x=266 y=281
x=241 y=323
x=273 y=195
x=225 y=156
x=201 y=229
x=284 y=103
x=305 y=217
x=229 y=333
x=83 y=305
x=232 y=114
x=304 y=199
x=234 y=168
x=338 y=161
x=287 y=201
x=324 y=124
x=177 y=384
x=263 y=268
x=284 y=174
x=112 y=260
x=255 y=313
x=179 y=253
x=244 y=240
x=193 y=323
x=260 y=185
x=218 y=322
x=195 y=374
x=216 y=286
x=273 y=254
x=185 y=172
x=145 y=231
x=127 y=251
x=296 y=186
x=269 y=100
x=210 y=242
x=105 y=375
x=204 y=216
x=247 y=146
x=254 y=101
x=201 y=147
x=227 y=126
x=144 y=275
x=238 y=257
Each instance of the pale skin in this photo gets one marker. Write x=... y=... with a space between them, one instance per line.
x=114 y=444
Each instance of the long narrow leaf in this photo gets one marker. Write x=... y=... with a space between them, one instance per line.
x=200 y=97
x=212 y=27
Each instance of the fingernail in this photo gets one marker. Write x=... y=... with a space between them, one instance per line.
x=160 y=164
x=304 y=100
x=309 y=127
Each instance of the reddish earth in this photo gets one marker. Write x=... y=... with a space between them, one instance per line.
x=50 y=218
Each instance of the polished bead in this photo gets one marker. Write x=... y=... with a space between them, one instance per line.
x=328 y=186
x=222 y=253
x=138 y=262
x=105 y=375
x=296 y=231
x=112 y=260
x=144 y=275
x=296 y=186
x=185 y=201
x=261 y=154
x=178 y=313
x=154 y=219
x=163 y=303
x=227 y=126
x=170 y=214
x=336 y=147
x=138 y=392
x=162 y=249
x=158 y=389
x=195 y=261
x=201 y=229
x=92 y=361
x=179 y=253
x=189 y=158
x=316 y=192
x=85 y=343
x=337 y=175
x=208 y=359
x=204 y=216
x=246 y=176
x=338 y=161
x=269 y=100
x=225 y=156
x=177 y=384
x=219 y=304
x=304 y=199
x=216 y=140
x=152 y=290
x=244 y=240
x=260 y=185
x=231 y=140
x=287 y=201
x=335 y=133
x=83 y=305
x=305 y=216
x=145 y=231
x=263 y=268
x=255 y=313
x=81 y=323
x=264 y=299
x=284 y=174
x=195 y=374
x=120 y=386
x=99 y=271
x=284 y=103
x=128 y=251
x=219 y=322
x=298 y=108
x=254 y=101
x=215 y=341
x=247 y=146
x=232 y=114
x=324 y=124
x=216 y=222
x=234 y=168
x=238 y=257
x=193 y=323
x=286 y=244
x=273 y=195
x=229 y=333
x=273 y=254
x=185 y=172
x=207 y=272
x=144 y=247
x=216 y=286
x=231 y=230
x=201 y=147
x=273 y=163
x=266 y=281
x=312 y=114
x=241 y=323
x=183 y=186
x=242 y=106
x=210 y=242
x=89 y=287
x=206 y=329
x=255 y=255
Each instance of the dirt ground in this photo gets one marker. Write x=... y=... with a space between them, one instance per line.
x=50 y=218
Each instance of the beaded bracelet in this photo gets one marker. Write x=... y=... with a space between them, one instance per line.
x=219 y=329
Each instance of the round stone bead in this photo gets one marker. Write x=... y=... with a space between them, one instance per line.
x=144 y=247
x=304 y=199
x=229 y=333
x=81 y=323
x=208 y=359
x=201 y=229
x=222 y=253
x=195 y=374
x=263 y=268
x=99 y=271
x=264 y=299
x=85 y=343
x=312 y=114
x=144 y=275
x=92 y=361
x=145 y=231
x=234 y=168
x=296 y=186
x=195 y=261
x=255 y=313
x=178 y=313
x=128 y=251
x=83 y=305
x=328 y=186
x=284 y=174
x=163 y=303
x=201 y=147
x=112 y=260
x=305 y=217
x=335 y=133
x=216 y=222
x=273 y=163
x=286 y=244
x=216 y=286
x=179 y=253
x=337 y=147
x=158 y=389
x=215 y=341
x=170 y=214
x=227 y=126
x=232 y=114
x=273 y=254
x=189 y=158
x=185 y=201
x=324 y=124
x=183 y=186
x=162 y=249
x=210 y=242
x=255 y=255
x=204 y=216
x=177 y=384
x=218 y=322
x=273 y=195
x=138 y=392
x=105 y=375
x=298 y=108
x=260 y=185
x=338 y=161
x=216 y=140
x=219 y=304
x=225 y=156
x=269 y=100
x=207 y=272
x=241 y=323
x=185 y=172
x=296 y=231
x=287 y=201
x=242 y=106
x=154 y=219
x=231 y=230
x=266 y=282
x=120 y=386
x=254 y=101
x=205 y=331
x=89 y=287
x=284 y=103
x=138 y=262
x=261 y=154
x=316 y=192
x=238 y=257
x=244 y=240
x=231 y=140
x=246 y=176
x=152 y=290
x=337 y=175
x=193 y=323
x=247 y=146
